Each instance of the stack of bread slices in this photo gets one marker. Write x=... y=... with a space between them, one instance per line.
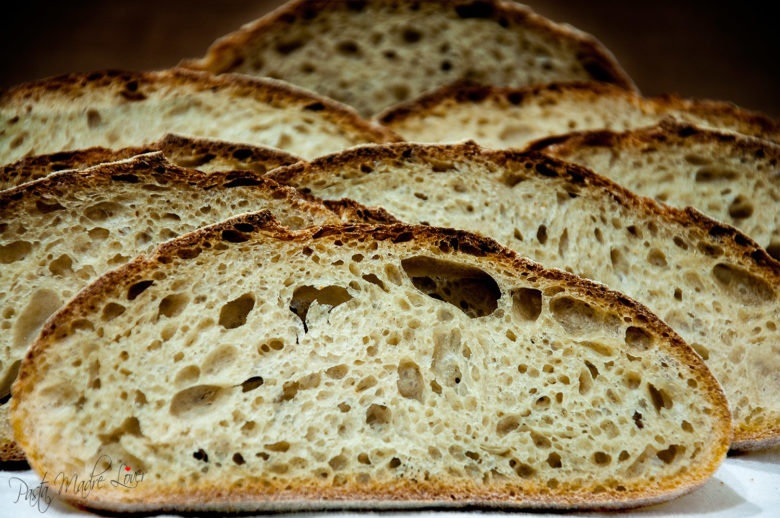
x=385 y=254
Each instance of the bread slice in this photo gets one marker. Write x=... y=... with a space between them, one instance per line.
x=513 y=117
x=713 y=285
x=374 y=54
x=121 y=109
x=205 y=155
x=63 y=231
x=391 y=366
x=729 y=177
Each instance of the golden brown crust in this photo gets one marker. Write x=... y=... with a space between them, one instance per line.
x=350 y=210
x=154 y=166
x=32 y=168
x=259 y=159
x=307 y=494
x=750 y=123
x=226 y=53
x=667 y=132
x=186 y=152
x=132 y=86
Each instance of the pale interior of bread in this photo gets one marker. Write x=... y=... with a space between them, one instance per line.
x=725 y=306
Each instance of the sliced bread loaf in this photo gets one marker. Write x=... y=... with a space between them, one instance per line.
x=205 y=155
x=729 y=177
x=121 y=109
x=374 y=54
x=357 y=366
x=61 y=232
x=513 y=117
x=713 y=285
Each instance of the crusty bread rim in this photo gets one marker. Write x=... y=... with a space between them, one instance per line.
x=666 y=132
x=155 y=165
x=399 y=494
x=743 y=250
x=135 y=169
x=464 y=92
x=271 y=91
x=226 y=51
x=97 y=155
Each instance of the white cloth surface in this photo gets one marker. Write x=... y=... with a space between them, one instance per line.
x=747 y=485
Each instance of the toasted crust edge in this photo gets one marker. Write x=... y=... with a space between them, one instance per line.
x=665 y=132
x=751 y=122
x=224 y=53
x=24 y=170
x=264 y=90
x=401 y=495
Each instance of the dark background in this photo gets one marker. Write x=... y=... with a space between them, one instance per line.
x=720 y=50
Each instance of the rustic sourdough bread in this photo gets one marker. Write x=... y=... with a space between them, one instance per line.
x=374 y=54
x=61 y=232
x=713 y=285
x=356 y=366
x=121 y=109
x=205 y=155
x=513 y=117
x=729 y=177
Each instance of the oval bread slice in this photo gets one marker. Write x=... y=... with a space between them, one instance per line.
x=713 y=285
x=248 y=367
x=513 y=117
x=119 y=109
x=373 y=54
x=59 y=233
x=731 y=178
x=206 y=155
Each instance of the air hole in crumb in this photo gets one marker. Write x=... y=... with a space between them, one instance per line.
x=742 y=285
x=659 y=397
x=197 y=400
x=740 y=208
x=410 y=382
x=541 y=234
x=111 y=311
x=304 y=296
x=136 y=289
x=172 y=305
x=638 y=339
x=527 y=303
x=669 y=454
x=469 y=289
x=251 y=383
x=575 y=316
x=377 y=415
x=234 y=313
